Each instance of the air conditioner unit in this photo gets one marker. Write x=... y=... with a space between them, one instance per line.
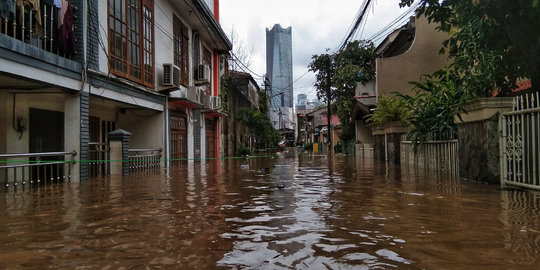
x=201 y=96
x=180 y=93
x=215 y=102
x=171 y=75
x=203 y=73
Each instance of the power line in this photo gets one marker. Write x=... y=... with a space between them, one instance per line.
x=393 y=23
x=358 y=22
x=235 y=58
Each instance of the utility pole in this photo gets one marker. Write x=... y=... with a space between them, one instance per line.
x=328 y=97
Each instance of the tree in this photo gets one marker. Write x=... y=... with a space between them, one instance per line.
x=346 y=68
x=260 y=126
x=240 y=53
x=493 y=43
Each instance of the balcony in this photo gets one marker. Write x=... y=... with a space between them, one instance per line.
x=39 y=27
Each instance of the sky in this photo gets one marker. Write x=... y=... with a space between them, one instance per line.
x=316 y=25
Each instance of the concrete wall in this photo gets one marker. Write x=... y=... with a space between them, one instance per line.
x=363 y=133
x=368 y=88
x=394 y=73
x=145 y=126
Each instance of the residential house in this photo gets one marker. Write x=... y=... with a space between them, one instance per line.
x=43 y=88
x=406 y=54
x=242 y=95
x=73 y=71
x=317 y=127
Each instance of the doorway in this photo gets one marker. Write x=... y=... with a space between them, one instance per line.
x=46 y=132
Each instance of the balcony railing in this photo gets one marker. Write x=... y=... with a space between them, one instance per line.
x=35 y=168
x=39 y=26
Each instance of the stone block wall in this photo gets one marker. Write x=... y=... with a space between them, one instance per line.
x=479 y=150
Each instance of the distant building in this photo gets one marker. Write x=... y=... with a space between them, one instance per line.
x=302 y=100
x=279 y=70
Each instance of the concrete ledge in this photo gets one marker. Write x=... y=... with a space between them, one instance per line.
x=481 y=109
x=391 y=128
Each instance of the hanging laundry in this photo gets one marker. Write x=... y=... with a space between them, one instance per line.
x=7 y=8
x=31 y=5
x=66 y=37
x=62 y=11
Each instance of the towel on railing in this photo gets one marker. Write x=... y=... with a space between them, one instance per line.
x=7 y=8
x=32 y=5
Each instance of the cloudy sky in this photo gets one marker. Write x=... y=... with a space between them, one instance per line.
x=316 y=25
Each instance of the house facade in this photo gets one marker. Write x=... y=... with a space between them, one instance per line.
x=242 y=95
x=73 y=71
x=407 y=54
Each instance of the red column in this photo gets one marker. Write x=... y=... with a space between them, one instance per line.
x=216 y=10
x=216 y=81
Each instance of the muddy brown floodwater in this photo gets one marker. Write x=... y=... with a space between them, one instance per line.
x=335 y=213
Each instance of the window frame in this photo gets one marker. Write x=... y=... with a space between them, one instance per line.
x=181 y=49
x=131 y=28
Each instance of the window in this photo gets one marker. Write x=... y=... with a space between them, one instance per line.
x=131 y=40
x=181 y=46
x=207 y=59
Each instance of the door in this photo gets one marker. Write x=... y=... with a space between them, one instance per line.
x=210 y=139
x=178 y=140
x=46 y=131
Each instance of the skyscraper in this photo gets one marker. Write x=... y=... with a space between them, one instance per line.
x=279 y=71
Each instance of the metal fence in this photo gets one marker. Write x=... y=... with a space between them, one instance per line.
x=35 y=168
x=520 y=143
x=434 y=155
x=144 y=159
x=99 y=156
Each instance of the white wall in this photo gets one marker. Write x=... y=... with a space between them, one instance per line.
x=102 y=14
x=163 y=36
x=145 y=126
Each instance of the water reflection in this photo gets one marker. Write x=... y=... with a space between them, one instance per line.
x=337 y=213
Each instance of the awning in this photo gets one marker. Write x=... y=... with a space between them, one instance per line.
x=186 y=103
x=216 y=114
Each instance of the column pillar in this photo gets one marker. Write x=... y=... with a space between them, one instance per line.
x=119 y=148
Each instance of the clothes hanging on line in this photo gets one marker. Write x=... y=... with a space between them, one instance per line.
x=66 y=37
x=7 y=8
x=31 y=5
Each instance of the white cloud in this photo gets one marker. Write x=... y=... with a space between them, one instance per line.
x=316 y=25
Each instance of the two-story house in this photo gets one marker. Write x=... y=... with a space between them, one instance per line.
x=73 y=71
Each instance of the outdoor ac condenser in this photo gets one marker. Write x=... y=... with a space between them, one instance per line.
x=171 y=75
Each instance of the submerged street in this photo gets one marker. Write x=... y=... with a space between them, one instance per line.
x=338 y=213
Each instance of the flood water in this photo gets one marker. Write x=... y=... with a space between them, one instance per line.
x=337 y=213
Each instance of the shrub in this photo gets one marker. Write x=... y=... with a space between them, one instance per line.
x=243 y=151
x=388 y=109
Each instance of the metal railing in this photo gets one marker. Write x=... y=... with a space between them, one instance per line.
x=99 y=156
x=520 y=143
x=37 y=26
x=144 y=159
x=439 y=155
x=35 y=168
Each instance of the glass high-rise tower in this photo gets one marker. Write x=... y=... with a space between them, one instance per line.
x=279 y=70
